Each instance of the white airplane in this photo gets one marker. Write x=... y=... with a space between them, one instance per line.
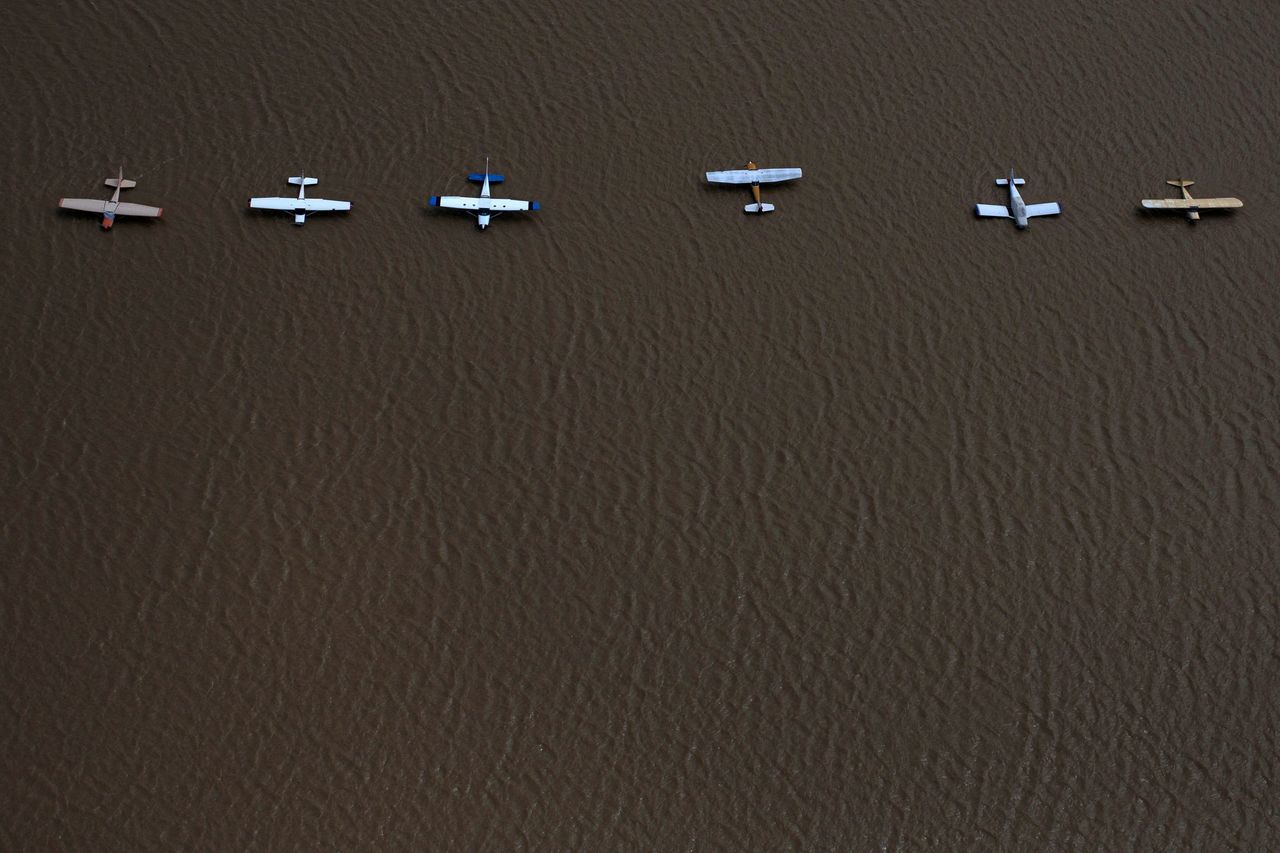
x=485 y=207
x=1021 y=210
x=1192 y=206
x=755 y=176
x=301 y=205
x=114 y=206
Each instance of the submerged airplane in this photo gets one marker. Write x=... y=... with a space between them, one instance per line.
x=113 y=207
x=1018 y=210
x=1192 y=206
x=485 y=207
x=301 y=205
x=755 y=176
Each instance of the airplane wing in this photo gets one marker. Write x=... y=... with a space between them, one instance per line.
x=458 y=202
x=753 y=176
x=503 y=205
x=273 y=203
x=772 y=176
x=1218 y=203
x=291 y=204
x=1049 y=209
x=314 y=204
x=88 y=205
x=992 y=210
x=1187 y=204
x=125 y=208
x=733 y=176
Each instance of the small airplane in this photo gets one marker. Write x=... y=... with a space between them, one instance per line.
x=113 y=207
x=485 y=207
x=301 y=205
x=1192 y=206
x=1021 y=210
x=755 y=176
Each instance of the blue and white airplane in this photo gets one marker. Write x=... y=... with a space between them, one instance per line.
x=485 y=207
x=1018 y=210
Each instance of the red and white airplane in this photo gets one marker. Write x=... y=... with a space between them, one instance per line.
x=113 y=207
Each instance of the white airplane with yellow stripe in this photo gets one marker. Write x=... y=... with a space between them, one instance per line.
x=112 y=207
x=1192 y=206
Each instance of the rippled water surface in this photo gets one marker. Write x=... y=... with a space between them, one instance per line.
x=638 y=523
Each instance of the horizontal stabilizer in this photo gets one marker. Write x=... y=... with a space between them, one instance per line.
x=998 y=210
x=1004 y=182
x=758 y=208
x=1181 y=183
x=479 y=177
x=300 y=181
x=124 y=185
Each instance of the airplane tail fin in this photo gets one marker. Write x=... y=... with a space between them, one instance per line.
x=758 y=208
x=1004 y=182
x=1180 y=183
x=302 y=181
x=124 y=185
x=478 y=177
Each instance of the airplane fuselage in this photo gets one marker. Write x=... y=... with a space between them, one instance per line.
x=755 y=185
x=1017 y=207
x=300 y=212
x=1193 y=214
x=109 y=212
x=482 y=213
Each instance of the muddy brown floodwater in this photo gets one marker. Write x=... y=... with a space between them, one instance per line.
x=638 y=523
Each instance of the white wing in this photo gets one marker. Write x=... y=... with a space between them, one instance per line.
x=459 y=202
x=993 y=210
x=315 y=204
x=502 y=205
x=89 y=205
x=126 y=208
x=733 y=176
x=753 y=176
x=771 y=176
x=273 y=203
x=291 y=204
x=1050 y=209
